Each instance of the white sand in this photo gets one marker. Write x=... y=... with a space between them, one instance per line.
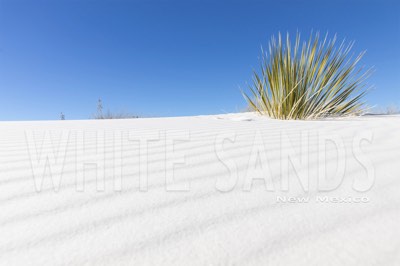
x=202 y=225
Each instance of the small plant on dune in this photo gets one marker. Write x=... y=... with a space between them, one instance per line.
x=307 y=81
x=110 y=115
x=116 y=115
x=392 y=110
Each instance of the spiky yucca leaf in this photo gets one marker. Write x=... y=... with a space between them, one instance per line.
x=312 y=80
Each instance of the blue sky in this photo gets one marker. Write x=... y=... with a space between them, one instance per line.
x=169 y=58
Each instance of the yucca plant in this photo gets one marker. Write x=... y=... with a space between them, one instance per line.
x=307 y=81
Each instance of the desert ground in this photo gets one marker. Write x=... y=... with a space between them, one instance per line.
x=230 y=189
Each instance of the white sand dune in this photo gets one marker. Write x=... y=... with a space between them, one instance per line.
x=189 y=220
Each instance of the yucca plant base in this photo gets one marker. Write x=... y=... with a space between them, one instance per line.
x=308 y=81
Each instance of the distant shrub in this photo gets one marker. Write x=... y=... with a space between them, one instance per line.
x=385 y=110
x=110 y=115
x=392 y=110
x=309 y=80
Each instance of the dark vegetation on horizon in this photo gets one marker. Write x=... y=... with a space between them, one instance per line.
x=100 y=114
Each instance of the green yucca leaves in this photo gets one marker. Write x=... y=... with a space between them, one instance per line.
x=310 y=80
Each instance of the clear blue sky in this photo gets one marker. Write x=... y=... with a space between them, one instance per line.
x=169 y=58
